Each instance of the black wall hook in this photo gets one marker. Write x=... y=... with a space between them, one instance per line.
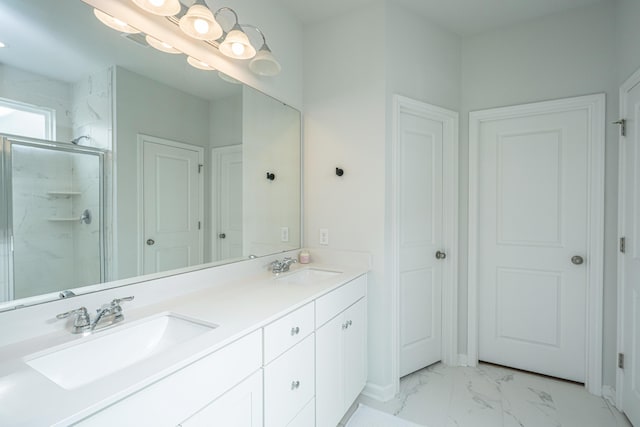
x=339 y=171
x=271 y=176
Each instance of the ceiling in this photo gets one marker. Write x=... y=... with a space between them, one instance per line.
x=463 y=17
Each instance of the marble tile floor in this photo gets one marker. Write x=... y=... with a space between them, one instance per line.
x=494 y=396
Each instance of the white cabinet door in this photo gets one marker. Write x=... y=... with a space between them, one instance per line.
x=329 y=373
x=355 y=351
x=239 y=407
x=289 y=384
x=341 y=363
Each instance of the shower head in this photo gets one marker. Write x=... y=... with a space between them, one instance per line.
x=76 y=140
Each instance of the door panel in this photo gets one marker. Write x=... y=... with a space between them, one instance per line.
x=171 y=207
x=630 y=192
x=532 y=218
x=420 y=236
x=227 y=204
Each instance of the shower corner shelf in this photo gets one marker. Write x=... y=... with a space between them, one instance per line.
x=64 y=193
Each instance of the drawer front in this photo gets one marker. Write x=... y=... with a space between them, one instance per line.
x=328 y=306
x=289 y=383
x=306 y=417
x=287 y=331
x=187 y=390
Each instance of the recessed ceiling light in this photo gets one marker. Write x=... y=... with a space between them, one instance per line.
x=2 y=45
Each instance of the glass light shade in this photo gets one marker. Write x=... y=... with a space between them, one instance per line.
x=114 y=23
x=159 y=7
x=200 y=65
x=264 y=63
x=237 y=45
x=200 y=24
x=160 y=45
x=2 y=45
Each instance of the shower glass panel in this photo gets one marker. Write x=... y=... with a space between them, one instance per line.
x=54 y=194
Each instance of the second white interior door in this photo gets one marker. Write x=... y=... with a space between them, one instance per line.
x=420 y=216
x=533 y=233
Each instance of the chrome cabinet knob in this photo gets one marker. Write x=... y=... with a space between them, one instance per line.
x=295 y=385
x=295 y=331
x=440 y=255
x=577 y=260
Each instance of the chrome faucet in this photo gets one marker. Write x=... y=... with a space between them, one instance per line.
x=107 y=315
x=278 y=266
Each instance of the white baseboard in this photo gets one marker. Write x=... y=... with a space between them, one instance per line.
x=609 y=393
x=462 y=360
x=378 y=392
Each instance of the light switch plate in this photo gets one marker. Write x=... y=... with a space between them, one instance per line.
x=284 y=234
x=324 y=236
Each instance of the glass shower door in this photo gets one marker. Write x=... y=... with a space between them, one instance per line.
x=55 y=217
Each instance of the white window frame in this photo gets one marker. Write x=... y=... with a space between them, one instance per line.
x=49 y=115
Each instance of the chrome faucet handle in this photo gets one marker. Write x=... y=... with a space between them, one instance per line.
x=289 y=260
x=117 y=301
x=82 y=321
x=81 y=312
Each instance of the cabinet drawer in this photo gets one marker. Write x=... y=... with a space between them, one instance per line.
x=328 y=306
x=306 y=417
x=181 y=394
x=289 y=383
x=287 y=331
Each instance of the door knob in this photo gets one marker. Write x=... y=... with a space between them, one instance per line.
x=440 y=255
x=150 y=242
x=577 y=259
x=222 y=235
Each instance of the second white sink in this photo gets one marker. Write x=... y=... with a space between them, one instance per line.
x=308 y=276
x=79 y=363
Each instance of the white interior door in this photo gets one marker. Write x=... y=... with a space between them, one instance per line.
x=172 y=207
x=227 y=202
x=532 y=234
x=630 y=218
x=420 y=216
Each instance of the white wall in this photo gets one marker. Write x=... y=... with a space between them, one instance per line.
x=344 y=125
x=567 y=54
x=35 y=89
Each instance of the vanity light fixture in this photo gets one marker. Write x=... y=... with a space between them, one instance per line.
x=114 y=23
x=160 y=45
x=200 y=65
x=200 y=23
x=160 y=7
x=227 y=78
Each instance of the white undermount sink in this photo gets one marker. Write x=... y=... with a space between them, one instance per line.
x=308 y=275
x=76 y=364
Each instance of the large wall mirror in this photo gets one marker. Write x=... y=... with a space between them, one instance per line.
x=120 y=161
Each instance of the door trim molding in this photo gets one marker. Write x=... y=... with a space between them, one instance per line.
x=142 y=138
x=595 y=106
x=629 y=84
x=449 y=121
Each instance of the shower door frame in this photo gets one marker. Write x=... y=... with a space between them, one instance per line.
x=6 y=199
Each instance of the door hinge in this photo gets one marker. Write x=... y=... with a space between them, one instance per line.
x=623 y=244
x=200 y=166
x=621 y=360
x=199 y=225
x=623 y=126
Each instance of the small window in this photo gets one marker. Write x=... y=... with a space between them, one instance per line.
x=17 y=118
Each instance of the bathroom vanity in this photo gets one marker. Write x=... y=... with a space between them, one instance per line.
x=259 y=350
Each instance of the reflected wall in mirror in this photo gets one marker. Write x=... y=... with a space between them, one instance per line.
x=176 y=167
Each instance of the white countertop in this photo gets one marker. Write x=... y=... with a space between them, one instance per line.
x=28 y=398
